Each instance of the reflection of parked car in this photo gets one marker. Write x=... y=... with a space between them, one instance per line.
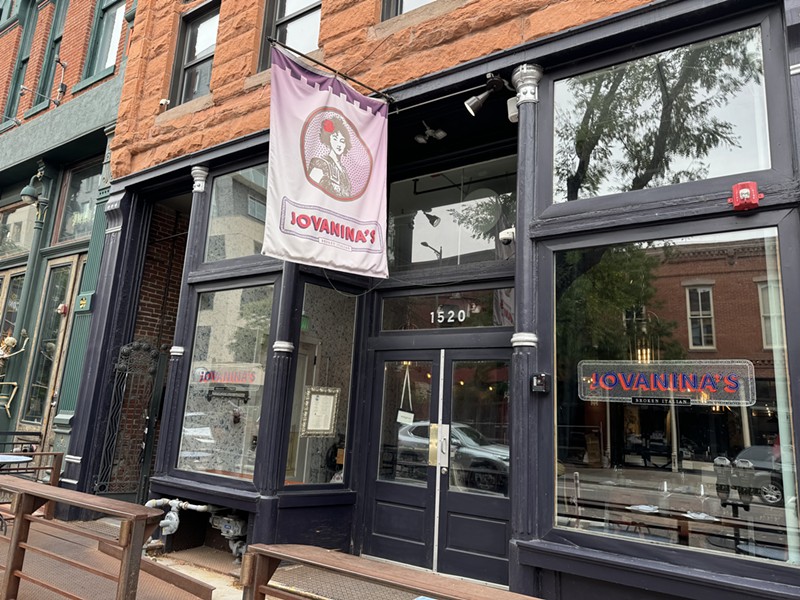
x=768 y=479
x=478 y=462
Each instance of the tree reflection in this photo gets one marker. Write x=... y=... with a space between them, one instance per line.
x=652 y=121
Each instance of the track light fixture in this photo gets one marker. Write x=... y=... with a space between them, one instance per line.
x=493 y=84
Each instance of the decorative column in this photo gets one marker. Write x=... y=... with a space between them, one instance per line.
x=525 y=449
x=272 y=436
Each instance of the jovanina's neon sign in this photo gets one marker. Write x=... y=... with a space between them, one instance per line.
x=710 y=382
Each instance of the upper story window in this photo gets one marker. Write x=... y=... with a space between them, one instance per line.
x=392 y=8
x=293 y=22
x=701 y=317
x=453 y=217
x=105 y=37
x=28 y=20
x=196 y=55
x=687 y=114
x=7 y=9
x=44 y=88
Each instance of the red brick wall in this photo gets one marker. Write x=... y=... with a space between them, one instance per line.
x=9 y=42
x=734 y=273
x=433 y=38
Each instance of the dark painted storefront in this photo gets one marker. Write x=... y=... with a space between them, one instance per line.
x=493 y=410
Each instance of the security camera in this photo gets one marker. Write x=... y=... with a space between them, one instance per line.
x=507 y=236
x=512 y=109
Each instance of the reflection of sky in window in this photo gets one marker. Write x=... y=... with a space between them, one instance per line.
x=449 y=237
x=746 y=110
x=409 y=5
x=206 y=36
x=117 y=14
x=292 y=6
x=717 y=238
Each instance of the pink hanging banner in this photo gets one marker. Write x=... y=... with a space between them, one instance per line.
x=326 y=193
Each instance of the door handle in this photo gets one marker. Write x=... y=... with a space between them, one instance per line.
x=433 y=445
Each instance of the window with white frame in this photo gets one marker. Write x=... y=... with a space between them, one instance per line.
x=769 y=307
x=105 y=38
x=196 y=56
x=699 y=302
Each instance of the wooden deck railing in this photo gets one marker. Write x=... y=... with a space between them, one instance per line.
x=136 y=524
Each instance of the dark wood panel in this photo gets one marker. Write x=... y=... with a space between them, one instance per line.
x=479 y=535
x=398 y=521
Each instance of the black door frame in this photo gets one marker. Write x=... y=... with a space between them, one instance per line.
x=435 y=514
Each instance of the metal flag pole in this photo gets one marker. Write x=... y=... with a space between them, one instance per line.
x=386 y=97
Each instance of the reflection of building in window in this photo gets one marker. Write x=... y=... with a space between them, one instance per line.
x=238 y=212
x=206 y=301
x=257 y=208
x=701 y=317
x=78 y=204
x=216 y=248
x=15 y=232
x=202 y=337
x=769 y=312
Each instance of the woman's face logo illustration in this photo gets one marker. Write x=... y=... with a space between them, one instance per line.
x=338 y=143
x=336 y=159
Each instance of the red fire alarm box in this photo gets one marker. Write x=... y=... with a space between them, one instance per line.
x=745 y=196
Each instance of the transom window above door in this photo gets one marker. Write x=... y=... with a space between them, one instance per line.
x=453 y=217
x=687 y=114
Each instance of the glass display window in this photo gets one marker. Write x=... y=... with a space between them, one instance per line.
x=318 y=428
x=660 y=438
x=226 y=382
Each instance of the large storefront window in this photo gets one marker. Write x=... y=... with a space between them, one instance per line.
x=683 y=115
x=454 y=217
x=661 y=439
x=238 y=211
x=226 y=382
x=322 y=388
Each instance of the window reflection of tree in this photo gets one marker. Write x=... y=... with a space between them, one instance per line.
x=595 y=289
x=652 y=121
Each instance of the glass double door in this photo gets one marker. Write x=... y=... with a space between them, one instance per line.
x=440 y=492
